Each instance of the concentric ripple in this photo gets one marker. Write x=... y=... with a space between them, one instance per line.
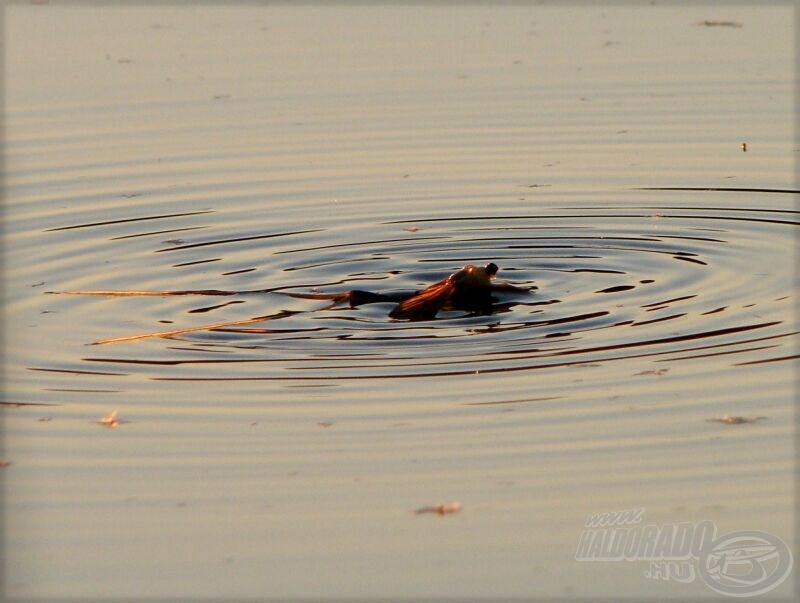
x=665 y=283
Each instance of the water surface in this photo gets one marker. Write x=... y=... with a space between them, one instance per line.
x=272 y=447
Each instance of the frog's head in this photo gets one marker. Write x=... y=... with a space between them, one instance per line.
x=475 y=276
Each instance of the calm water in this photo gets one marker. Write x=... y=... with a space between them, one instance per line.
x=270 y=446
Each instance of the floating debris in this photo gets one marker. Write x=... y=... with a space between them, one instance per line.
x=656 y=372
x=412 y=229
x=44 y=419
x=441 y=509
x=110 y=421
x=714 y=23
x=732 y=420
x=4 y=464
x=744 y=147
x=324 y=423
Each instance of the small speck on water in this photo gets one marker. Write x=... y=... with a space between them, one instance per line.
x=715 y=23
x=733 y=420
x=440 y=509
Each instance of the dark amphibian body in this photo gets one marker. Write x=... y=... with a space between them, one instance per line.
x=468 y=289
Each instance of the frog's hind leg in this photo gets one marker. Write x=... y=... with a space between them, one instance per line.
x=425 y=304
x=335 y=298
x=359 y=298
x=354 y=298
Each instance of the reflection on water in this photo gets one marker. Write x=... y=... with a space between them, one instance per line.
x=612 y=285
